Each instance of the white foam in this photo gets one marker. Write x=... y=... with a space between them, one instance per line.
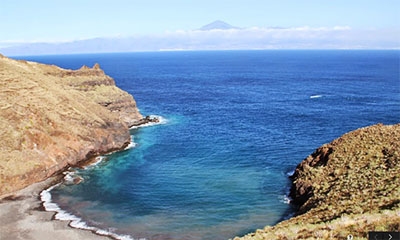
x=132 y=144
x=290 y=173
x=316 y=96
x=161 y=120
x=75 y=221
x=69 y=176
x=45 y=196
x=285 y=199
x=97 y=161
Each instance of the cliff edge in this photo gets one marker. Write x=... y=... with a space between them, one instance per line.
x=349 y=186
x=52 y=118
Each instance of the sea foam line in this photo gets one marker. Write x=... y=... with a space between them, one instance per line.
x=285 y=198
x=97 y=161
x=132 y=144
x=75 y=222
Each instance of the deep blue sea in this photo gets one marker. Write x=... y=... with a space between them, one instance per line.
x=235 y=124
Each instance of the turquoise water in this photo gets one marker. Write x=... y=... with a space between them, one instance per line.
x=236 y=123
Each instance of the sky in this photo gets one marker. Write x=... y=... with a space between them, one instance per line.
x=61 y=21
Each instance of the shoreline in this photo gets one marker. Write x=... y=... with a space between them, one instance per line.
x=335 y=195
x=23 y=214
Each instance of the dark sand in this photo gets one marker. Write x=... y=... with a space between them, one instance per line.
x=22 y=217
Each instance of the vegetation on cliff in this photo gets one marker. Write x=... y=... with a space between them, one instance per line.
x=349 y=186
x=51 y=118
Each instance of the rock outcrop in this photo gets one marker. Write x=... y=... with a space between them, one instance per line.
x=349 y=186
x=52 y=118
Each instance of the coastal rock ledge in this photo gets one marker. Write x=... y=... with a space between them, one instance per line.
x=348 y=187
x=52 y=118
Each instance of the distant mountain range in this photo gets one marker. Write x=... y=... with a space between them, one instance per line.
x=221 y=25
x=207 y=38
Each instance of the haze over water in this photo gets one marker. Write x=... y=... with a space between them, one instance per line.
x=236 y=123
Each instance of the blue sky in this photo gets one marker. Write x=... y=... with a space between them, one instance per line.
x=54 y=21
x=49 y=20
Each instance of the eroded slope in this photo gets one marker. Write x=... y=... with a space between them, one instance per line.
x=51 y=118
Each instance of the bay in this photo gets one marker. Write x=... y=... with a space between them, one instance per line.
x=236 y=123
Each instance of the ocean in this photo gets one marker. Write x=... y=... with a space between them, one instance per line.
x=234 y=126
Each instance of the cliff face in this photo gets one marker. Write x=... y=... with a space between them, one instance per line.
x=51 y=118
x=100 y=88
x=349 y=186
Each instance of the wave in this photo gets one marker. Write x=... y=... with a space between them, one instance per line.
x=132 y=144
x=285 y=199
x=316 y=96
x=75 y=222
x=96 y=162
x=161 y=120
x=290 y=173
x=70 y=176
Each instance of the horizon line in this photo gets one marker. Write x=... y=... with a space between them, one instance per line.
x=206 y=50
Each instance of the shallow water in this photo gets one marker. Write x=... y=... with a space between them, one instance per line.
x=236 y=123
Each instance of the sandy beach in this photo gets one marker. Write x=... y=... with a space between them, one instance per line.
x=22 y=217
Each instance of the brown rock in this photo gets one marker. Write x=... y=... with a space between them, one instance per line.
x=349 y=186
x=51 y=118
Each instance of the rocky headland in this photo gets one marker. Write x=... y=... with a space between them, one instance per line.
x=52 y=118
x=349 y=186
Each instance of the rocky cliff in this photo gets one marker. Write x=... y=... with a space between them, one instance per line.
x=349 y=186
x=51 y=118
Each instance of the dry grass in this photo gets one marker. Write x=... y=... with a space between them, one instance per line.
x=349 y=186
